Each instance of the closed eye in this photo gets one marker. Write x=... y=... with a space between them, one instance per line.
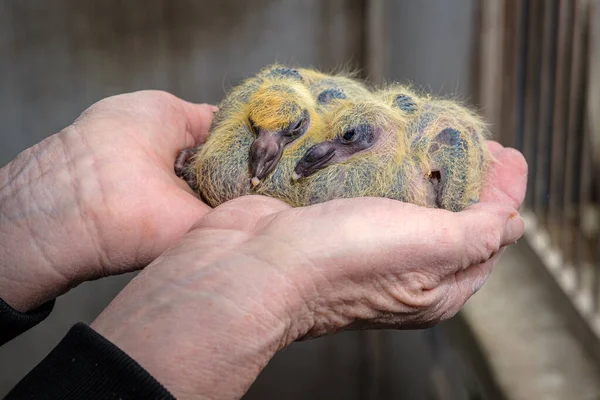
x=252 y=125
x=298 y=125
x=297 y=128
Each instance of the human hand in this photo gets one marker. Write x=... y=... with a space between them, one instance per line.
x=98 y=198
x=255 y=275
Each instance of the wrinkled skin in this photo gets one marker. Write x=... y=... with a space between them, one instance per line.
x=98 y=198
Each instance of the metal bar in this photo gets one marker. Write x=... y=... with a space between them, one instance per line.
x=571 y=194
x=522 y=48
x=489 y=64
x=560 y=114
x=510 y=52
x=532 y=83
x=546 y=100
x=585 y=270
x=585 y=242
x=377 y=40
x=475 y=75
x=588 y=211
x=593 y=135
x=594 y=88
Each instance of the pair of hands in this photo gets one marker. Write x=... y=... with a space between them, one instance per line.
x=226 y=288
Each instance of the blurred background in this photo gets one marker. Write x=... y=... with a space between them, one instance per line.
x=532 y=67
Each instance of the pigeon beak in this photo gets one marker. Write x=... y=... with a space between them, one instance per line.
x=265 y=153
x=316 y=158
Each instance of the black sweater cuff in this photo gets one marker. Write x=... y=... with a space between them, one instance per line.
x=85 y=365
x=13 y=322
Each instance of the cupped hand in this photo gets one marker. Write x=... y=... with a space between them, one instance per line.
x=98 y=198
x=254 y=275
x=378 y=262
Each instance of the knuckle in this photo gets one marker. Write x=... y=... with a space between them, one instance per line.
x=485 y=242
x=491 y=239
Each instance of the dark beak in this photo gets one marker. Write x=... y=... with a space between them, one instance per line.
x=317 y=157
x=265 y=153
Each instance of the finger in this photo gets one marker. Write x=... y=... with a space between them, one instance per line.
x=469 y=281
x=489 y=227
x=475 y=235
x=369 y=232
x=452 y=293
x=457 y=289
x=160 y=119
x=506 y=179
x=187 y=122
x=493 y=146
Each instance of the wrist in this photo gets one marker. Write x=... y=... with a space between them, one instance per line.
x=42 y=234
x=208 y=326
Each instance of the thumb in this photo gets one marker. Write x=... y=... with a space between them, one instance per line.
x=487 y=227
x=473 y=236
x=199 y=118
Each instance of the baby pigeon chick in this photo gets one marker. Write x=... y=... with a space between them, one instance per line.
x=449 y=139
x=273 y=109
x=439 y=153
x=366 y=153
x=278 y=114
x=250 y=133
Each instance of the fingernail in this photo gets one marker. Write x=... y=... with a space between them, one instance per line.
x=214 y=109
x=514 y=228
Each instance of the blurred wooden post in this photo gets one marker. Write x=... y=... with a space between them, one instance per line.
x=572 y=213
x=593 y=112
x=488 y=61
x=377 y=43
x=593 y=130
x=545 y=100
x=531 y=89
x=513 y=14
x=560 y=119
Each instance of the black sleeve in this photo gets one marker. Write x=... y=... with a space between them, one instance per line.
x=84 y=365
x=13 y=323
